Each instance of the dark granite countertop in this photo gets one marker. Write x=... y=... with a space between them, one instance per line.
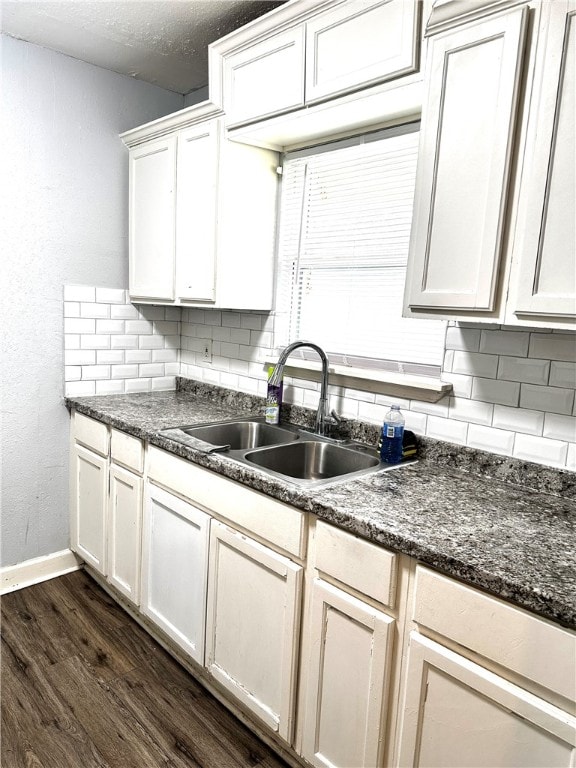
x=510 y=529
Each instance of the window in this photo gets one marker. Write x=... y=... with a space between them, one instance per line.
x=345 y=216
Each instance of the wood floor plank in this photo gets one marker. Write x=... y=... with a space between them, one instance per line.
x=84 y=686
x=37 y=729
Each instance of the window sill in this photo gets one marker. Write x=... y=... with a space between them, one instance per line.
x=407 y=386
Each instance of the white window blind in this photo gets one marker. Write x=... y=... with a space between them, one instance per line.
x=346 y=211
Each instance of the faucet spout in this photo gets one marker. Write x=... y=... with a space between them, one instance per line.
x=323 y=419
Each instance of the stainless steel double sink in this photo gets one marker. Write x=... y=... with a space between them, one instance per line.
x=287 y=452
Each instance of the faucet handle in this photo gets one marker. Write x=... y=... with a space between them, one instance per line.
x=334 y=418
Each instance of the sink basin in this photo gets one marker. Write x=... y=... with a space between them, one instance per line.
x=312 y=460
x=241 y=435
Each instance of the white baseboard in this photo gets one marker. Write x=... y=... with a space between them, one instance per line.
x=39 y=569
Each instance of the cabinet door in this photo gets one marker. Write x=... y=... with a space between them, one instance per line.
x=358 y=43
x=252 y=625
x=124 y=532
x=458 y=715
x=468 y=125
x=90 y=494
x=545 y=246
x=265 y=78
x=174 y=562
x=152 y=181
x=197 y=179
x=345 y=680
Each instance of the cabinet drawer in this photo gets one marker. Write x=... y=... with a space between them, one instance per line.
x=91 y=433
x=269 y=519
x=356 y=562
x=502 y=633
x=127 y=450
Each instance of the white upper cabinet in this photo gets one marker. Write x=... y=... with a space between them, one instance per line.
x=359 y=43
x=266 y=78
x=152 y=183
x=202 y=214
x=307 y=51
x=493 y=234
x=545 y=244
x=464 y=163
x=196 y=202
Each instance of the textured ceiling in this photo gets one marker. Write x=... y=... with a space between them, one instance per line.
x=160 y=41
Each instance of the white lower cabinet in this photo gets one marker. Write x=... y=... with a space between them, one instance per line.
x=174 y=564
x=124 y=532
x=345 y=679
x=252 y=625
x=89 y=506
x=458 y=714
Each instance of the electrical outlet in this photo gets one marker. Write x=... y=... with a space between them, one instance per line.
x=207 y=351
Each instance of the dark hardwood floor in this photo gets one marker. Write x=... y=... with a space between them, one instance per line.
x=83 y=686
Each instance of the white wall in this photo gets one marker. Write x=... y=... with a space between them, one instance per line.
x=64 y=211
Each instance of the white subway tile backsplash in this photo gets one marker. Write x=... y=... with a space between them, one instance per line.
x=571 y=459
x=240 y=335
x=500 y=394
x=251 y=321
x=80 y=357
x=552 y=399
x=541 y=450
x=560 y=427
x=72 y=341
x=137 y=385
x=150 y=342
x=447 y=429
x=231 y=319
x=124 y=342
x=518 y=420
x=461 y=385
x=505 y=343
x=475 y=364
x=95 y=341
x=464 y=339
x=161 y=355
x=132 y=356
x=79 y=293
x=124 y=372
x=495 y=391
x=524 y=369
x=109 y=387
x=563 y=375
x=553 y=346
x=111 y=295
x=79 y=325
x=95 y=372
x=124 y=312
x=110 y=326
x=151 y=369
x=471 y=411
x=72 y=372
x=416 y=422
x=432 y=409
x=71 y=309
x=490 y=439
x=138 y=327
x=80 y=388
x=110 y=356
x=94 y=310
x=163 y=383
x=166 y=327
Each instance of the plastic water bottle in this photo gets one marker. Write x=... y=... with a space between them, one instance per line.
x=392 y=435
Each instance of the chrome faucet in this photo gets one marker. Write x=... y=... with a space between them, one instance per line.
x=323 y=419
